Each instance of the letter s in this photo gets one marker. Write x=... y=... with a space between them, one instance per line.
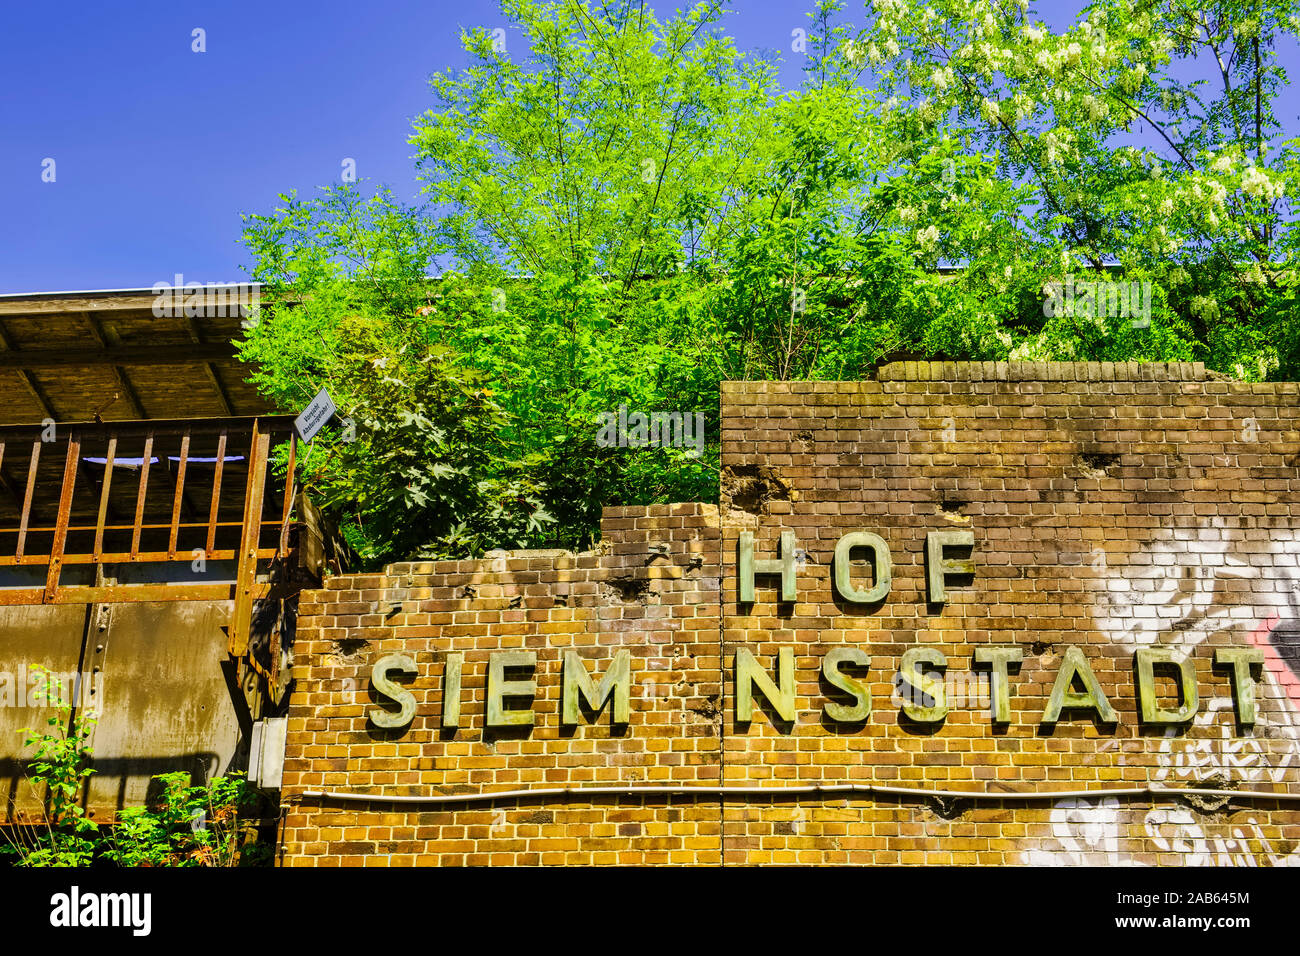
x=386 y=688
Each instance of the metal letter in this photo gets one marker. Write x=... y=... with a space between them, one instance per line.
x=925 y=684
x=617 y=681
x=1153 y=713
x=861 y=710
x=747 y=567
x=884 y=567
x=999 y=659
x=749 y=675
x=1064 y=695
x=451 y=689
x=498 y=688
x=937 y=566
x=385 y=687
x=1243 y=685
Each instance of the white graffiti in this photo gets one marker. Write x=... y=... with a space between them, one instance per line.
x=1087 y=833
x=1184 y=587
x=1222 y=752
x=1244 y=844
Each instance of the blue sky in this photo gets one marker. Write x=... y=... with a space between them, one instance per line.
x=158 y=149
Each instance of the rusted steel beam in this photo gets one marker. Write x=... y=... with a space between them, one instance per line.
x=146 y=526
x=116 y=557
x=274 y=424
x=287 y=510
x=89 y=483
x=27 y=498
x=65 y=512
x=103 y=496
x=127 y=594
x=178 y=498
x=216 y=494
x=145 y=457
x=245 y=576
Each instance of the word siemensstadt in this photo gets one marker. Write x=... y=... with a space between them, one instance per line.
x=1076 y=690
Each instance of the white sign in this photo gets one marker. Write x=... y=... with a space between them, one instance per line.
x=315 y=415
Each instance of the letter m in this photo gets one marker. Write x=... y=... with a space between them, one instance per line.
x=617 y=681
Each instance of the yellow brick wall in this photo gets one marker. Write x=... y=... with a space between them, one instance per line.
x=1112 y=507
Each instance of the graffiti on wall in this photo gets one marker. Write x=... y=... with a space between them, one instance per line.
x=1183 y=588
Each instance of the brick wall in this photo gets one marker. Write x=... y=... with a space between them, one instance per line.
x=1112 y=508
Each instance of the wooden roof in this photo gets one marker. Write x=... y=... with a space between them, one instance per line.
x=71 y=356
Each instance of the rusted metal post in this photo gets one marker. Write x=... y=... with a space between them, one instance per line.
x=288 y=498
x=103 y=498
x=145 y=458
x=180 y=489
x=216 y=493
x=27 y=499
x=65 y=512
x=250 y=530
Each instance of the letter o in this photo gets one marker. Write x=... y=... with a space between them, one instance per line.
x=884 y=567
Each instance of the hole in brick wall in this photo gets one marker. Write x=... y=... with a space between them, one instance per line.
x=1210 y=804
x=350 y=647
x=751 y=488
x=1096 y=464
x=952 y=508
x=709 y=708
x=627 y=589
x=1039 y=648
x=948 y=808
x=468 y=591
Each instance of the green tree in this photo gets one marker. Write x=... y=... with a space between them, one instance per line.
x=633 y=211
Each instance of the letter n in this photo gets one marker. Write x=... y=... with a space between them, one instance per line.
x=749 y=675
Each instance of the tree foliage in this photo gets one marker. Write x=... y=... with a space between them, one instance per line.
x=633 y=211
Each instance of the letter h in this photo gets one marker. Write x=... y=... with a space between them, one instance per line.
x=784 y=565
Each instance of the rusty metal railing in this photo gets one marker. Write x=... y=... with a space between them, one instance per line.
x=140 y=493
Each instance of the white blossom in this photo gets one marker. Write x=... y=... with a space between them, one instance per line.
x=1256 y=183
